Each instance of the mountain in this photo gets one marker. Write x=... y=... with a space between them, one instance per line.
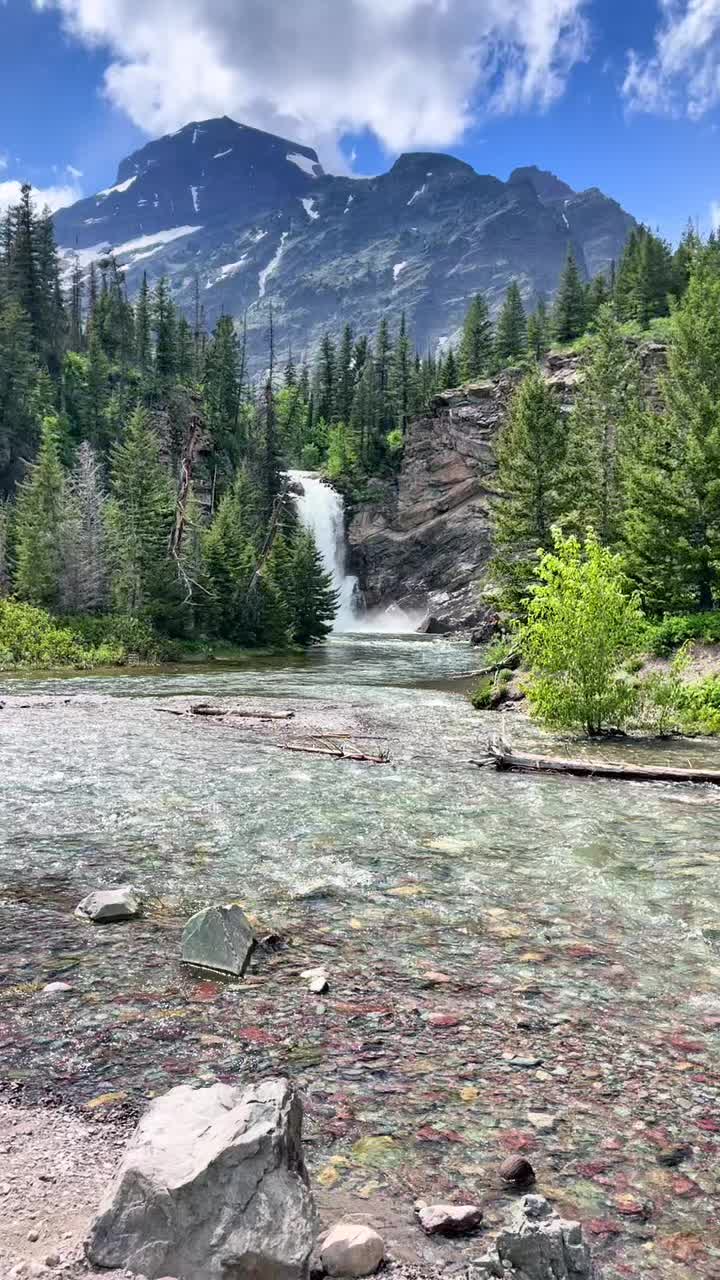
x=249 y=219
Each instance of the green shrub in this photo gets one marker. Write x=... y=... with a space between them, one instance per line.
x=663 y=696
x=582 y=625
x=31 y=637
x=675 y=630
x=489 y=692
x=701 y=706
x=122 y=636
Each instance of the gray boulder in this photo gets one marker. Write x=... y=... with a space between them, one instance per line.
x=219 y=938
x=103 y=906
x=212 y=1184
x=351 y=1249
x=537 y=1245
x=449 y=1219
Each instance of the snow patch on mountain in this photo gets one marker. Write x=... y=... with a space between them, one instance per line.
x=309 y=207
x=229 y=269
x=303 y=162
x=194 y=194
x=219 y=154
x=272 y=265
x=349 y=202
x=399 y=266
x=416 y=194
x=120 y=186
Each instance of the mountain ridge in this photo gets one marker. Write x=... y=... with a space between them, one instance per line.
x=254 y=219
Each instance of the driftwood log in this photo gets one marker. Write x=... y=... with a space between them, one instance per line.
x=507 y=760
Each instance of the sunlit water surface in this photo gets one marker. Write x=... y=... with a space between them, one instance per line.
x=497 y=945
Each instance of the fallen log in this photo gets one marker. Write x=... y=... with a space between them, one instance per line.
x=340 y=754
x=506 y=760
x=202 y=709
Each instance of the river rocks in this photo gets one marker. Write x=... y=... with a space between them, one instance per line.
x=449 y=1219
x=317 y=980
x=220 y=937
x=517 y=1171
x=212 y=1184
x=351 y=1249
x=537 y=1245
x=105 y=906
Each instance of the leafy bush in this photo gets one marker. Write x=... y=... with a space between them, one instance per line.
x=124 y=637
x=675 y=630
x=663 y=697
x=489 y=692
x=701 y=706
x=582 y=625
x=30 y=637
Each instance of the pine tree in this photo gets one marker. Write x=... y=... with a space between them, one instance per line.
x=476 y=347
x=530 y=456
x=345 y=388
x=312 y=598
x=38 y=524
x=163 y=322
x=511 y=330
x=326 y=375
x=143 y=334
x=222 y=405
x=383 y=365
x=569 y=311
x=83 y=577
x=364 y=416
x=400 y=375
x=229 y=560
x=672 y=527
x=18 y=374
x=138 y=521
x=450 y=376
x=602 y=430
x=5 y=554
x=538 y=330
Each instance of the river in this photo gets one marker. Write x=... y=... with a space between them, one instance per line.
x=516 y=964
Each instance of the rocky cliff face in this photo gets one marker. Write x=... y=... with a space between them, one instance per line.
x=424 y=542
x=249 y=218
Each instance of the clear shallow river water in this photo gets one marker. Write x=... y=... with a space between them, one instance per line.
x=498 y=946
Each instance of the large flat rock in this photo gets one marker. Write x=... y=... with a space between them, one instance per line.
x=220 y=937
x=211 y=1187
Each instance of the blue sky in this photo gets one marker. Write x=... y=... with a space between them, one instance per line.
x=620 y=94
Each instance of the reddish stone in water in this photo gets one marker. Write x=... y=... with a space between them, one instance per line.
x=516 y=1140
x=593 y=1168
x=683 y=1247
x=709 y=1123
x=604 y=1227
x=685 y=1187
x=256 y=1035
x=686 y=1046
x=629 y=1207
x=205 y=991
x=428 y=1134
x=581 y=952
x=445 y=1019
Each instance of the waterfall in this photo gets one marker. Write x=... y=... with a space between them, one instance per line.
x=321 y=509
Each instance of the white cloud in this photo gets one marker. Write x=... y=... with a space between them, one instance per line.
x=414 y=72
x=682 y=75
x=74 y=173
x=715 y=215
x=54 y=197
x=3 y=162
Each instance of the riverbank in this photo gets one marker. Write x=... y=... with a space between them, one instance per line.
x=515 y=964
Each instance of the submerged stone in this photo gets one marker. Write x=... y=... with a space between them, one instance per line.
x=212 y=1184
x=106 y=905
x=220 y=937
x=449 y=1219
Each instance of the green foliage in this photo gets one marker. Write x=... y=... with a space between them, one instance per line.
x=312 y=599
x=490 y=690
x=38 y=524
x=663 y=697
x=582 y=625
x=570 y=309
x=603 y=429
x=126 y=637
x=676 y=629
x=672 y=526
x=511 y=329
x=476 y=347
x=530 y=455
x=700 y=710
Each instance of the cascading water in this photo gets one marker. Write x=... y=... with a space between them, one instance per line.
x=321 y=509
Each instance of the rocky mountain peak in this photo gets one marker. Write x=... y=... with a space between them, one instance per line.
x=250 y=218
x=546 y=185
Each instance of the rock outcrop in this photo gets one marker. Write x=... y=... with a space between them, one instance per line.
x=423 y=542
x=536 y=1245
x=219 y=937
x=212 y=1185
